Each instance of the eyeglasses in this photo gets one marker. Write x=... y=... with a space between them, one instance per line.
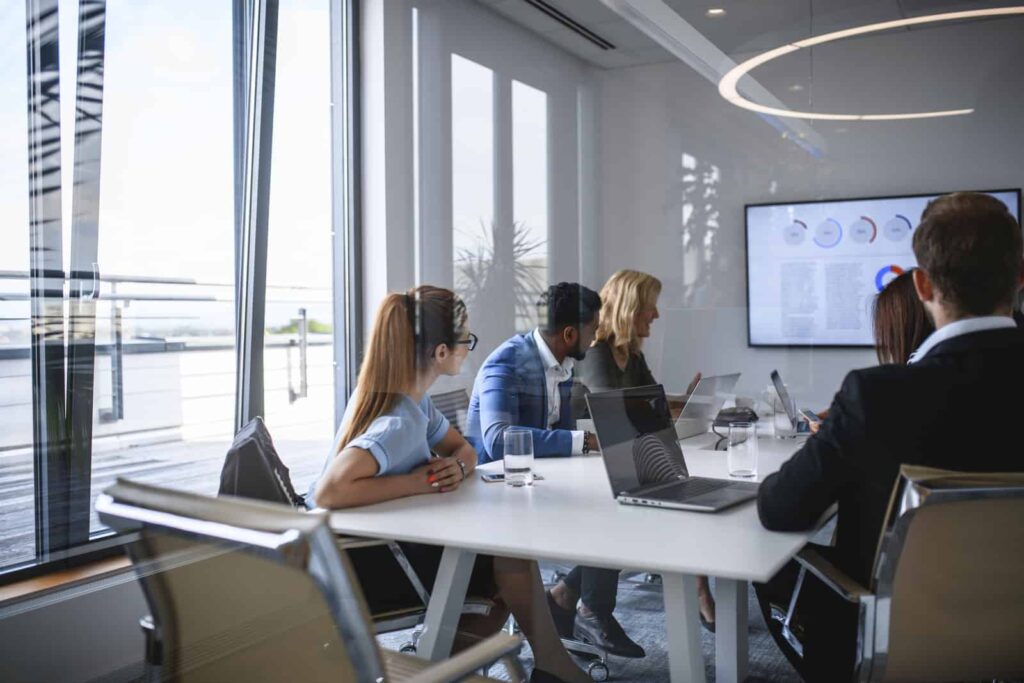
x=470 y=342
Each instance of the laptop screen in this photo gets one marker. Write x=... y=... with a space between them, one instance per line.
x=787 y=402
x=708 y=397
x=638 y=439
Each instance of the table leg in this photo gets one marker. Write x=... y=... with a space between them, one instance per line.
x=685 y=661
x=446 y=600
x=731 y=656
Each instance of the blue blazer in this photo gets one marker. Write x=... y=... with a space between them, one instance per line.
x=511 y=391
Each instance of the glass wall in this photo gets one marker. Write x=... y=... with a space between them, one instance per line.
x=298 y=347
x=165 y=374
x=127 y=158
x=17 y=494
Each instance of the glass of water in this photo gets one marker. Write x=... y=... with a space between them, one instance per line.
x=518 y=456
x=742 y=453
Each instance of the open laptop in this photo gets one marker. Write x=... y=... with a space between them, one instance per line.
x=707 y=399
x=797 y=418
x=644 y=461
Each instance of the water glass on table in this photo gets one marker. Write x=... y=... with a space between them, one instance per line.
x=742 y=453
x=518 y=457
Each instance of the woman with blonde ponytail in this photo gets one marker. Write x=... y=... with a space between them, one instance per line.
x=393 y=442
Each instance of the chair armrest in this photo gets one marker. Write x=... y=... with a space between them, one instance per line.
x=465 y=663
x=837 y=581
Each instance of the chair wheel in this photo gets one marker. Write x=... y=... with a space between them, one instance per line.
x=598 y=671
x=653 y=579
x=408 y=648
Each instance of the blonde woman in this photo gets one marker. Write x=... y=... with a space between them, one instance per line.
x=629 y=305
x=393 y=442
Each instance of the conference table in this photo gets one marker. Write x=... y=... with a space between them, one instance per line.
x=571 y=517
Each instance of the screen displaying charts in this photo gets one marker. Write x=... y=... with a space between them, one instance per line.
x=814 y=268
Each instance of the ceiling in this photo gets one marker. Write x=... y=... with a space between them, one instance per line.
x=748 y=26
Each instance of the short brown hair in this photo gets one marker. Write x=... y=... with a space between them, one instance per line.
x=971 y=248
x=900 y=321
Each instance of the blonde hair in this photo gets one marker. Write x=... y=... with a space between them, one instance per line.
x=406 y=331
x=626 y=293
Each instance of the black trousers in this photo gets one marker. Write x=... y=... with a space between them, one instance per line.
x=828 y=622
x=598 y=588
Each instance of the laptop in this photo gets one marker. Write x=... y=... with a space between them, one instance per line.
x=796 y=417
x=643 y=459
x=707 y=399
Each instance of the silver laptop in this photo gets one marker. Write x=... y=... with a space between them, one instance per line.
x=707 y=399
x=644 y=461
x=796 y=419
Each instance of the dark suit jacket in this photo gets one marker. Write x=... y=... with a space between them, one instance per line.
x=957 y=408
x=511 y=390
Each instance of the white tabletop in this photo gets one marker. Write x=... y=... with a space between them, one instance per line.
x=572 y=516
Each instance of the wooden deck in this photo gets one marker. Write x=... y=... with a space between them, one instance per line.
x=189 y=465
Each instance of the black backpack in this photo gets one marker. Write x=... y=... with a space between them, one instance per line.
x=252 y=468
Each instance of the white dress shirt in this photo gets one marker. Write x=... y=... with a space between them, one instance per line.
x=959 y=327
x=554 y=374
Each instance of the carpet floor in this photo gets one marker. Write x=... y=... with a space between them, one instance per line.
x=641 y=612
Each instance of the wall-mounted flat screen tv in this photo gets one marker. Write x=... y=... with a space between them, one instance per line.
x=814 y=268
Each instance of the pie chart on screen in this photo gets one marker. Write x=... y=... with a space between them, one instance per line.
x=897 y=228
x=828 y=233
x=863 y=230
x=795 y=233
x=886 y=275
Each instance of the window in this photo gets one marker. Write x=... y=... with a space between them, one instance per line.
x=119 y=276
x=298 y=346
x=529 y=200
x=17 y=518
x=165 y=371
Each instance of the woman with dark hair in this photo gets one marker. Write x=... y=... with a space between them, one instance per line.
x=393 y=442
x=900 y=321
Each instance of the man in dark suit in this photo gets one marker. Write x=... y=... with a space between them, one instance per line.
x=936 y=411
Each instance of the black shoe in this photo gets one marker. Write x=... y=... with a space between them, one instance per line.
x=562 y=617
x=709 y=625
x=606 y=633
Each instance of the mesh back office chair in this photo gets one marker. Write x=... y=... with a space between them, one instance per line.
x=454 y=405
x=947 y=601
x=243 y=590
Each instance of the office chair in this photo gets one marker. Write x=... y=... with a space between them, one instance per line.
x=946 y=602
x=253 y=469
x=454 y=405
x=243 y=590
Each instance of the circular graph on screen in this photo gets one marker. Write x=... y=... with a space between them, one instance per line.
x=828 y=233
x=795 y=233
x=863 y=230
x=897 y=228
x=886 y=275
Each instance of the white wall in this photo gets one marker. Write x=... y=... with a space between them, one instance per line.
x=649 y=117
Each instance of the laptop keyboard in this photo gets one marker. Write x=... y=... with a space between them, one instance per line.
x=690 y=488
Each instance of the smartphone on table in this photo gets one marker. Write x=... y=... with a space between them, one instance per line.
x=493 y=477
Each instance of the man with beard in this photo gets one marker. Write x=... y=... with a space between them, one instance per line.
x=527 y=382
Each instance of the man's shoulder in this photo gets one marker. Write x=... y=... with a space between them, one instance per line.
x=511 y=351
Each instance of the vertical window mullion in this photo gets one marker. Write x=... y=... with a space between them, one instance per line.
x=84 y=277
x=50 y=445
x=251 y=284
x=346 y=208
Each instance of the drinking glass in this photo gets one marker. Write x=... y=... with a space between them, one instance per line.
x=742 y=453
x=518 y=457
